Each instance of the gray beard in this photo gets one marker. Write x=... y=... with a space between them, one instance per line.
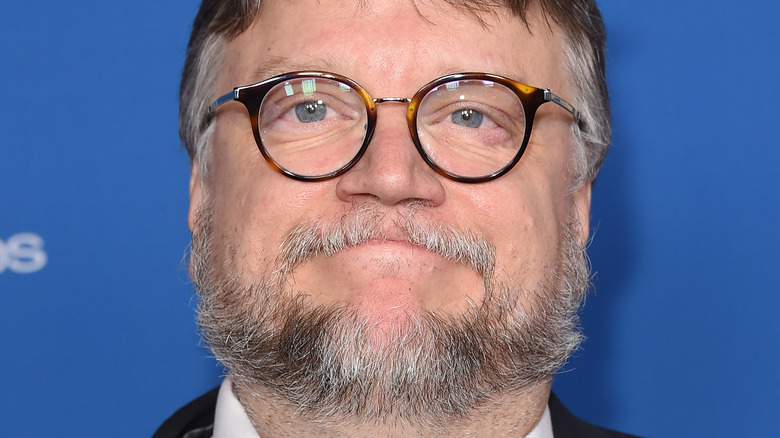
x=436 y=368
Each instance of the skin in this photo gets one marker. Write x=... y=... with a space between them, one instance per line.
x=392 y=48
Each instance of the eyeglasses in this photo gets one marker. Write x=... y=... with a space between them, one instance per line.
x=469 y=127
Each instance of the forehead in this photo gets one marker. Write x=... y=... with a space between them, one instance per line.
x=393 y=46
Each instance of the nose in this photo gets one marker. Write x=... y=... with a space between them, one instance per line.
x=391 y=171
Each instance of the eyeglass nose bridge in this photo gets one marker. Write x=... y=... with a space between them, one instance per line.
x=410 y=110
x=402 y=100
x=405 y=100
x=412 y=129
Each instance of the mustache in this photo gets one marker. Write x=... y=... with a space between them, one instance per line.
x=367 y=222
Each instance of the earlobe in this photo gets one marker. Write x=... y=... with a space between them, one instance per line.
x=581 y=203
x=196 y=194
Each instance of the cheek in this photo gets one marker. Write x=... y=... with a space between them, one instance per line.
x=520 y=218
x=239 y=236
x=254 y=207
x=244 y=196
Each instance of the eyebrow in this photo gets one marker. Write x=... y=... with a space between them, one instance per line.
x=447 y=69
x=277 y=65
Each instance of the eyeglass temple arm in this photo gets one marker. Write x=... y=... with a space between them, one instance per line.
x=549 y=96
x=227 y=97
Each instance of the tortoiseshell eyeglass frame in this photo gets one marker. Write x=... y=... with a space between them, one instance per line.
x=251 y=96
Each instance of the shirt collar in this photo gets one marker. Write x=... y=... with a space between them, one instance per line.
x=230 y=418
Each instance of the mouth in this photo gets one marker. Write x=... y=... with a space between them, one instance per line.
x=407 y=235
x=386 y=268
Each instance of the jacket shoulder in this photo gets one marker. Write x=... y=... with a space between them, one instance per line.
x=194 y=420
x=566 y=425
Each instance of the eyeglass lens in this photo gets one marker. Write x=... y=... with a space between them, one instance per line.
x=315 y=126
x=312 y=126
x=471 y=128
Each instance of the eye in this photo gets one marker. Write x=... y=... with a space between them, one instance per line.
x=308 y=113
x=311 y=111
x=470 y=118
x=473 y=118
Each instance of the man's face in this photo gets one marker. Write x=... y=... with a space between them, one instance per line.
x=391 y=49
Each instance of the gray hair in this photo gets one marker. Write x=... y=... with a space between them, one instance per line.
x=220 y=21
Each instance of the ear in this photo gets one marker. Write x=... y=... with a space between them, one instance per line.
x=196 y=194
x=581 y=204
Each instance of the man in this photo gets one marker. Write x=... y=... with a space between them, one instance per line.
x=382 y=244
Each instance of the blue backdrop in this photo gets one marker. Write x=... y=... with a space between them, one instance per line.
x=97 y=333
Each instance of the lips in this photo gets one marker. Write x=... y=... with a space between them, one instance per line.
x=367 y=228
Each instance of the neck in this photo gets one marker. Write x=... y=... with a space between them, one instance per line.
x=505 y=415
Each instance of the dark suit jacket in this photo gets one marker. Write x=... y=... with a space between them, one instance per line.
x=196 y=420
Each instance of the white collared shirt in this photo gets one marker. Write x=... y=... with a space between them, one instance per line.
x=232 y=421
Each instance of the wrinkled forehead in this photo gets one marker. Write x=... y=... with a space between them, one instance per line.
x=529 y=12
x=395 y=39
